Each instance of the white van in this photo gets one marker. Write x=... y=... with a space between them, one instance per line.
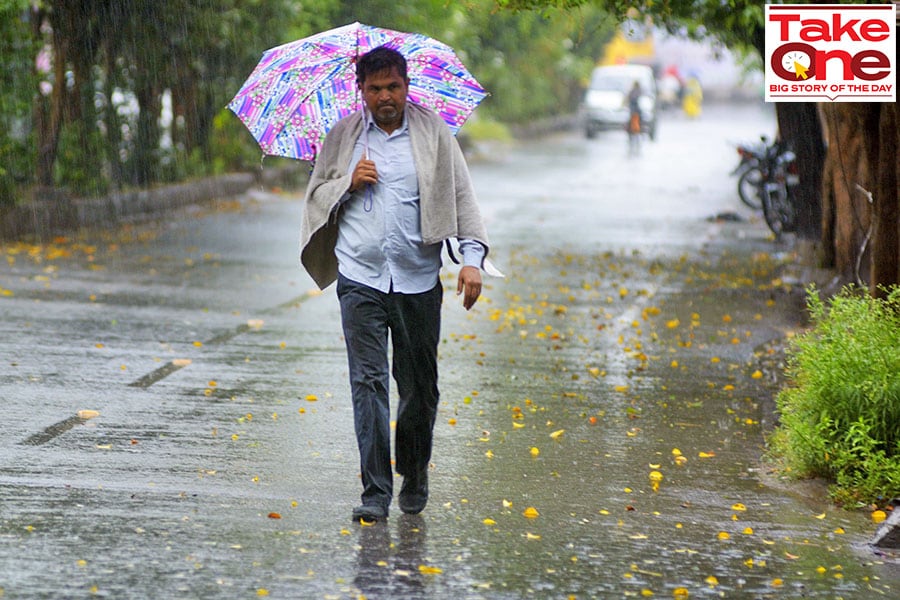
x=606 y=99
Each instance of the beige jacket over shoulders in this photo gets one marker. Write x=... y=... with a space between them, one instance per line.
x=447 y=197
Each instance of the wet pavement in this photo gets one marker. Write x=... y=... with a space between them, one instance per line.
x=602 y=419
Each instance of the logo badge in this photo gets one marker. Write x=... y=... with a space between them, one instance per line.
x=831 y=53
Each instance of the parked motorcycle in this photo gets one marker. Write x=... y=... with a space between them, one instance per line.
x=780 y=179
x=767 y=176
x=748 y=172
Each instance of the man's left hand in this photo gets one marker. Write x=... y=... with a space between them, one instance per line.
x=469 y=284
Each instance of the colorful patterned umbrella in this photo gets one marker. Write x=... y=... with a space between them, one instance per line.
x=299 y=90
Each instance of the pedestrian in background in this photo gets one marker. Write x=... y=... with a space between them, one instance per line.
x=692 y=102
x=389 y=187
x=635 y=122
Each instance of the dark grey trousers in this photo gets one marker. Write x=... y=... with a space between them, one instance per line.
x=414 y=322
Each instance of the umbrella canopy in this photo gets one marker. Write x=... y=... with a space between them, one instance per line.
x=299 y=90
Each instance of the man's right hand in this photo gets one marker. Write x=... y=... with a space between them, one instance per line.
x=363 y=174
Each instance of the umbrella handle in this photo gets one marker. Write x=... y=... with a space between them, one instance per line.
x=367 y=201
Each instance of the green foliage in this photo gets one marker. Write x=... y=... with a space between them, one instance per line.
x=111 y=124
x=840 y=417
x=78 y=166
x=233 y=148
x=479 y=129
x=737 y=23
x=533 y=64
x=17 y=86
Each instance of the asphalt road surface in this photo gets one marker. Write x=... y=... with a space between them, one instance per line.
x=177 y=424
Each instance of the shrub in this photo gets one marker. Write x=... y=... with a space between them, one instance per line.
x=840 y=414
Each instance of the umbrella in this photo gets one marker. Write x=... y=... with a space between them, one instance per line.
x=299 y=90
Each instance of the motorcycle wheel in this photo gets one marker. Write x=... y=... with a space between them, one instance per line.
x=749 y=187
x=778 y=210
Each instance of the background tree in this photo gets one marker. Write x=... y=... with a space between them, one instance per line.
x=103 y=94
x=18 y=84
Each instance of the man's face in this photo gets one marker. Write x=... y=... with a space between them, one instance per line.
x=385 y=96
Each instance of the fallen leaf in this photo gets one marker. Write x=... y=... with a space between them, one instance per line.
x=489 y=521
x=556 y=434
x=428 y=570
x=531 y=513
x=88 y=414
x=274 y=515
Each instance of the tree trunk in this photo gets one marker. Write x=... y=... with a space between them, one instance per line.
x=146 y=147
x=111 y=117
x=49 y=115
x=799 y=127
x=886 y=237
x=829 y=192
x=849 y=216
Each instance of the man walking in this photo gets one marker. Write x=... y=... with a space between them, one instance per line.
x=389 y=186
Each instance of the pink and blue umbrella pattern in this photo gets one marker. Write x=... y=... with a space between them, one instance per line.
x=299 y=90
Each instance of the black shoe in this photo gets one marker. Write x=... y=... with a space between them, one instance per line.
x=414 y=493
x=370 y=513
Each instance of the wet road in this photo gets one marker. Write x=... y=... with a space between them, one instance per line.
x=619 y=355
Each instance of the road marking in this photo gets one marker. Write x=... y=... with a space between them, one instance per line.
x=54 y=430
x=169 y=368
x=228 y=335
x=160 y=373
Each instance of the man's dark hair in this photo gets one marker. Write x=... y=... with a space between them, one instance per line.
x=378 y=60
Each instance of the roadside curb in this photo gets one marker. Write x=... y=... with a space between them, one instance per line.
x=55 y=213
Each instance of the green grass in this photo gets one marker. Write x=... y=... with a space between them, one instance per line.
x=840 y=412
